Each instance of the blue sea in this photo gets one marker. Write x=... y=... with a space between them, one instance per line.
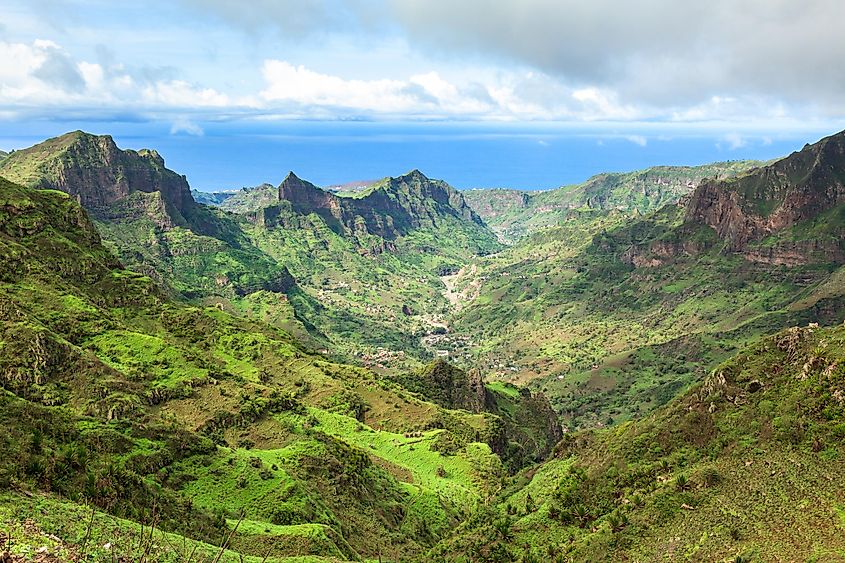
x=467 y=155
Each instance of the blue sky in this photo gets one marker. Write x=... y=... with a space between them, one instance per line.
x=725 y=79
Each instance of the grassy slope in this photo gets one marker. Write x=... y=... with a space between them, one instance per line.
x=747 y=464
x=154 y=411
x=362 y=299
x=251 y=199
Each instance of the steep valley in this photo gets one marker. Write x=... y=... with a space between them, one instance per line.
x=406 y=372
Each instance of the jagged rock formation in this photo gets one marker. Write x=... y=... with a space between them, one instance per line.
x=452 y=388
x=136 y=203
x=769 y=200
x=100 y=175
x=789 y=213
x=389 y=209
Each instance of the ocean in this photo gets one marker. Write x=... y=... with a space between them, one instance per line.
x=467 y=155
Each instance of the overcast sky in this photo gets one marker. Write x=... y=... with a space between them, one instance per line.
x=736 y=65
x=753 y=77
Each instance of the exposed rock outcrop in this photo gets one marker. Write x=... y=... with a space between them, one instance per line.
x=391 y=208
x=771 y=199
x=530 y=427
x=100 y=175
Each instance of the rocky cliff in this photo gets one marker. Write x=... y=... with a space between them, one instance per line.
x=98 y=174
x=389 y=209
x=530 y=425
x=774 y=198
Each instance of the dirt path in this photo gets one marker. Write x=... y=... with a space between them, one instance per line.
x=458 y=298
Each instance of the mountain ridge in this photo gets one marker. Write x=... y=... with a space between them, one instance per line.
x=771 y=199
x=389 y=209
x=516 y=213
x=99 y=174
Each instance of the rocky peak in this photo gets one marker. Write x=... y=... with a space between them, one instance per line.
x=303 y=194
x=772 y=198
x=98 y=173
x=390 y=208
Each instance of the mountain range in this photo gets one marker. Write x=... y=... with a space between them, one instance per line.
x=514 y=214
x=645 y=366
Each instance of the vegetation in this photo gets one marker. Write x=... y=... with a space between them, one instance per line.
x=193 y=422
x=743 y=465
x=370 y=375
x=514 y=214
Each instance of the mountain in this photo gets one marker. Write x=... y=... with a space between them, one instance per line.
x=258 y=197
x=744 y=466
x=161 y=396
x=214 y=199
x=788 y=213
x=99 y=174
x=207 y=429
x=612 y=316
x=146 y=215
x=320 y=276
x=514 y=213
x=389 y=209
x=752 y=212
x=374 y=260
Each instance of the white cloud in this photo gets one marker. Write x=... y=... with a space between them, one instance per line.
x=734 y=141
x=27 y=74
x=657 y=53
x=178 y=93
x=637 y=140
x=41 y=76
x=502 y=96
x=186 y=126
x=299 y=85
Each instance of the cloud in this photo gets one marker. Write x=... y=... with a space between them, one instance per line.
x=57 y=69
x=638 y=140
x=38 y=77
x=660 y=52
x=36 y=72
x=186 y=126
x=654 y=59
x=305 y=91
x=301 y=86
x=292 y=18
x=734 y=141
x=506 y=96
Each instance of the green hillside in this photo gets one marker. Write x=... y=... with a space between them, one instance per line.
x=298 y=374
x=143 y=413
x=612 y=317
x=365 y=293
x=746 y=466
x=514 y=214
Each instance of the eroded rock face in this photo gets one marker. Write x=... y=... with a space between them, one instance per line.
x=99 y=174
x=659 y=252
x=748 y=208
x=391 y=209
x=796 y=253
